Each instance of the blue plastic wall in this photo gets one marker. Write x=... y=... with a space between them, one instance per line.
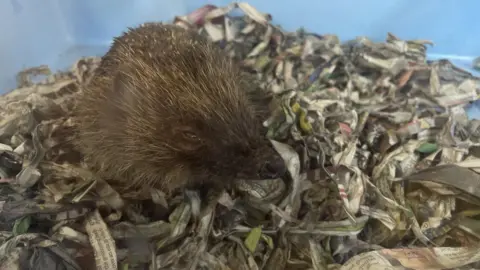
x=56 y=32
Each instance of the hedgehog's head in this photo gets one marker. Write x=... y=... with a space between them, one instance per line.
x=230 y=148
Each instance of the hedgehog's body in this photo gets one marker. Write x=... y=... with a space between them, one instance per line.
x=167 y=108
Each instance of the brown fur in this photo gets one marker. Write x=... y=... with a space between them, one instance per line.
x=169 y=109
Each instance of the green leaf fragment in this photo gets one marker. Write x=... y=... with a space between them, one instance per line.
x=427 y=148
x=268 y=240
x=302 y=118
x=21 y=225
x=252 y=239
x=262 y=62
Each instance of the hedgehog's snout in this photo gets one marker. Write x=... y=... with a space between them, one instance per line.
x=273 y=168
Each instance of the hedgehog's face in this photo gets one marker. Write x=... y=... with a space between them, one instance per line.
x=253 y=161
x=248 y=159
x=236 y=150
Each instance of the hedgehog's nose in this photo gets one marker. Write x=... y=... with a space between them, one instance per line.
x=273 y=169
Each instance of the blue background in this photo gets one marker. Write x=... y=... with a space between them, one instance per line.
x=57 y=32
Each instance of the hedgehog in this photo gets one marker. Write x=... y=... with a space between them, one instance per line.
x=166 y=108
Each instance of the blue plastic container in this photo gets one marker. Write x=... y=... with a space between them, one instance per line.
x=57 y=32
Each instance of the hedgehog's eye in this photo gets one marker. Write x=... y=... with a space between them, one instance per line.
x=185 y=132
x=188 y=138
x=191 y=136
x=189 y=141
